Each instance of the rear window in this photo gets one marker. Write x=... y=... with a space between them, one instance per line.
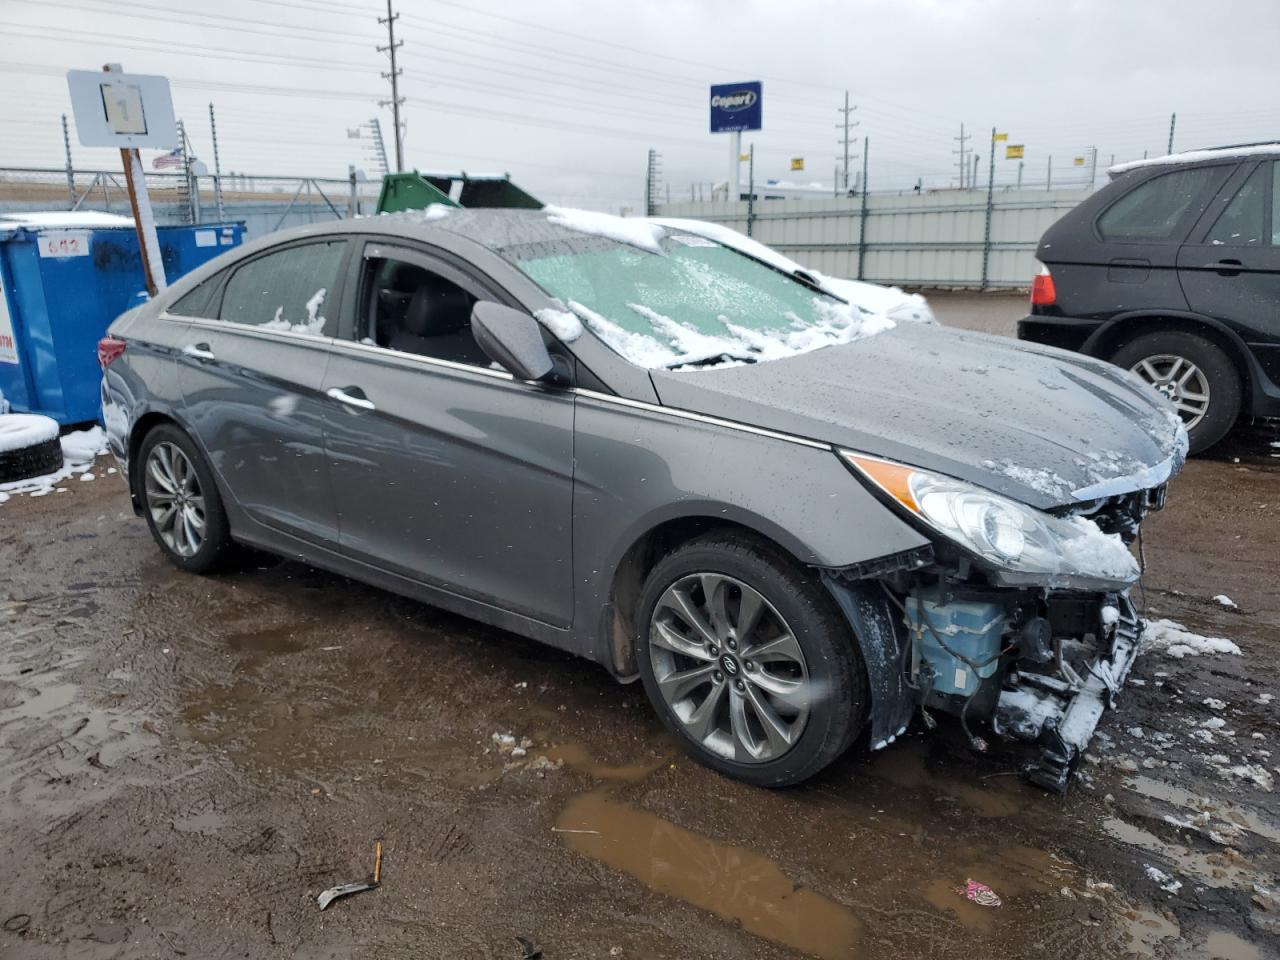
x=1162 y=208
x=1242 y=223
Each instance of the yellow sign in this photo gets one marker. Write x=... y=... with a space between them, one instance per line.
x=797 y=163
x=1078 y=162
x=999 y=136
x=744 y=157
x=1014 y=151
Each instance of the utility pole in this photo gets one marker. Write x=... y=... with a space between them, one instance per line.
x=71 y=177
x=394 y=76
x=217 y=167
x=964 y=155
x=862 y=216
x=844 y=141
x=1173 y=121
x=986 y=230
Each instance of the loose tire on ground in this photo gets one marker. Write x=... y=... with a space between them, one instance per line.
x=1223 y=379
x=837 y=688
x=29 y=446
x=216 y=550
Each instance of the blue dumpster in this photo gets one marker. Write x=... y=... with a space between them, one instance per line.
x=63 y=278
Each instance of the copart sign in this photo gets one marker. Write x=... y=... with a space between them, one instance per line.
x=736 y=106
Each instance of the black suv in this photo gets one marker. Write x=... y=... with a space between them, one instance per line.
x=1172 y=270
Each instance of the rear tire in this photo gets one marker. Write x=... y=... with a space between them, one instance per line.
x=769 y=698
x=1195 y=374
x=181 y=502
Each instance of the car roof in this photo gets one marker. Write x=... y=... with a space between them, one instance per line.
x=1199 y=156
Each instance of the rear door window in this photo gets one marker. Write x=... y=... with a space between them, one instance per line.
x=1243 y=222
x=288 y=290
x=1161 y=209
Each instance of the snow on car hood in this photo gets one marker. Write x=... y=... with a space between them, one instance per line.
x=1040 y=425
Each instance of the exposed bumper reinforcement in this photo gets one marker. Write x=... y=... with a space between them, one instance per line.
x=1062 y=718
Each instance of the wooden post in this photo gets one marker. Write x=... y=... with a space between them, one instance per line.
x=143 y=221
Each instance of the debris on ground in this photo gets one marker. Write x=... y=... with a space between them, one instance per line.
x=528 y=949
x=327 y=897
x=980 y=894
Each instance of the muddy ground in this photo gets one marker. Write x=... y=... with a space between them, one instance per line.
x=185 y=762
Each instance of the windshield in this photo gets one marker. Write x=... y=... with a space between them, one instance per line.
x=689 y=301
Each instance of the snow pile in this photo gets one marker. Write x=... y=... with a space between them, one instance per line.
x=1161 y=879
x=1087 y=549
x=674 y=345
x=314 y=324
x=1177 y=641
x=66 y=220
x=1223 y=600
x=632 y=231
x=78 y=452
x=565 y=325
x=18 y=430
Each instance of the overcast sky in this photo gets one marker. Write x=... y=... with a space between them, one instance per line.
x=569 y=96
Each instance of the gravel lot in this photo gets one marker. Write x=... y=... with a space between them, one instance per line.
x=186 y=761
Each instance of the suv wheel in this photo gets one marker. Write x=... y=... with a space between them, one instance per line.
x=181 y=502
x=748 y=661
x=1194 y=374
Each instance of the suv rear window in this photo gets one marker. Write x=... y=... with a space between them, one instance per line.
x=1161 y=208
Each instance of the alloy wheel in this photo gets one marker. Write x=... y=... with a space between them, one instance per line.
x=1180 y=381
x=729 y=667
x=174 y=499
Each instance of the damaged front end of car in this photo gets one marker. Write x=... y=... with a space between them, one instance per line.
x=1015 y=620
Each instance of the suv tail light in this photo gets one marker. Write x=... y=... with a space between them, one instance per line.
x=1043 y=293
x=109 y=348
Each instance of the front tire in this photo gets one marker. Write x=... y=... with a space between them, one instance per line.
x=181 y=502
x=748 y=660
x=1194 y=374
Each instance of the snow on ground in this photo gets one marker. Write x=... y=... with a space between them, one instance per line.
x=79 y=448
x=630 y=230
x=1177 y=641
x=1225 y=601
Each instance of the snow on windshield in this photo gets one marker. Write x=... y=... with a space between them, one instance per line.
x=637 y=233
x=675 y=345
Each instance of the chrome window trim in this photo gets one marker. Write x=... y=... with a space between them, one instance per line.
x=702 y=418
x=252 y=329
x=387 y=353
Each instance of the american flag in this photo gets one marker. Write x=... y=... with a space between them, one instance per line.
x=173 y=158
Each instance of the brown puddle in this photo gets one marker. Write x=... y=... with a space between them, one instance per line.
x=734 y=883
x=1215 y=869
x=575 y=756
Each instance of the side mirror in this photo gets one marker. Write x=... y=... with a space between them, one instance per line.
x=512 y=339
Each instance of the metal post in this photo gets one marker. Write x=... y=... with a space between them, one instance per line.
x=862 y=217
x=353 y=202
x=1093 y=166
x=1019 y=174
x=973 y=177
x=732 y=193
x=986 y=230
x=71 y=177
x=217 y=167
x=1048 y=177
x=964 y=155
x=1173 y=120
x=394 y=77
x=751 y=188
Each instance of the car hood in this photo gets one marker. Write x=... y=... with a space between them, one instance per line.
x=1041 y=425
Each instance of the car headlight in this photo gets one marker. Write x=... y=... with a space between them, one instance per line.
x=1027 y=546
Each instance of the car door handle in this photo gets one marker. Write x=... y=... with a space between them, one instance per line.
x=348 y=396
x=197 y=351
x=1227 y=268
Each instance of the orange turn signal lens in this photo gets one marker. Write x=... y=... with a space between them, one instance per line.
x=893 y=478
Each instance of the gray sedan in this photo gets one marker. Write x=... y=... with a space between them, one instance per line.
x=794 y=521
